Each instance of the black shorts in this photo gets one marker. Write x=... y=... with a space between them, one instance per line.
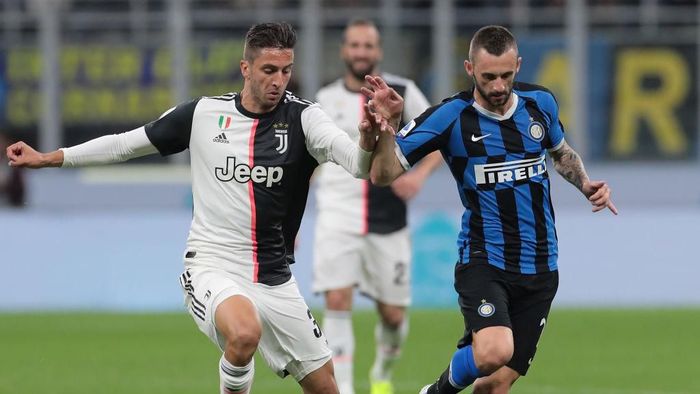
x=489 y=296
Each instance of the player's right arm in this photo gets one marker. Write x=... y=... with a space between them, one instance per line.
x=103 y=150
x=166 y=135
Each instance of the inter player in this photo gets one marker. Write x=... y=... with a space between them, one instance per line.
x=494 y=138
x=252 y=154
x=361 y=235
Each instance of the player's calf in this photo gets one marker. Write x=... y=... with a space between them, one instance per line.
x=498 y=382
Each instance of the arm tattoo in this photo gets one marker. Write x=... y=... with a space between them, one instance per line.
x=568 y=163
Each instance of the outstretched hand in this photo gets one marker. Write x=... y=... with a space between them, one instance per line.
x=598 y=193
x=383 y=100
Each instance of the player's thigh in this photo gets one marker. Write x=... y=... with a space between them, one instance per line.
x=204 y=290
x=336 y=259
x=386 y=268
x=292 y=341
x=483 y=298
x=529 y=312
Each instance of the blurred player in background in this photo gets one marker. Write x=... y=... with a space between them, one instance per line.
x=12 y=185
x=252 y=154
x=494 y=138
x=361 y=234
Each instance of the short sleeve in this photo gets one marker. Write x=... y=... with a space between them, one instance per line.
x=171 y=132
x=556 y=129
x=426 y=133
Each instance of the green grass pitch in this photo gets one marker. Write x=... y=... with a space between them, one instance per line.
x=582 y=352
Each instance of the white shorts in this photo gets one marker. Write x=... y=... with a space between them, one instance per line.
x=378 y=264
x=291 y=343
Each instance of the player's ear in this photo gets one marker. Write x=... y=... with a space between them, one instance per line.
x=517 y=66
x=245 y=69
x=469 y=67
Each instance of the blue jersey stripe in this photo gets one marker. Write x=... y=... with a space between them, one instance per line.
x=510 y=229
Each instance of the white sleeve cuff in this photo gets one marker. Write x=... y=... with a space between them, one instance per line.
x=402 y=159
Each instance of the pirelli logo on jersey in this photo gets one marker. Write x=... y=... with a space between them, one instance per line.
x=242 y=173
x=509 y=171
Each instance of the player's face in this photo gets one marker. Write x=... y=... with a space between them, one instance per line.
x=361 y=51
x=265 y=78
x=493 y=77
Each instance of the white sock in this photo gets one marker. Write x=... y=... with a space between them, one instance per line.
x=388 y=343
x=337 y=326
x=233 y=379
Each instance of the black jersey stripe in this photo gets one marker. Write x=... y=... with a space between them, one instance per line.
x=512 y=138
x=477 y=245
x=469 y=122
x=542 y=244
x=508 y=212
x=270 y=252
x=534 y=111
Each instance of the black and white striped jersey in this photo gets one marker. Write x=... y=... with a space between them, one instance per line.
x=250 y=177
x=355 y=205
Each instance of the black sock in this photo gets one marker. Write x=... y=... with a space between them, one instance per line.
x=443 y=386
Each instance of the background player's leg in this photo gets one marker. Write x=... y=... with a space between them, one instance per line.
x=390 y=333
x=320 y=381
x=238 y=322
x=337 y=326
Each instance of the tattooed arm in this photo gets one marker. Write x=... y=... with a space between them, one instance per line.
x=569 y=165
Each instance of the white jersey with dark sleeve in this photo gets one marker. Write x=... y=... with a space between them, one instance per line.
x=354 y=205
x=250 y=177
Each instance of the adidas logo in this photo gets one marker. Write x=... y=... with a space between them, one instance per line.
x=221 y=138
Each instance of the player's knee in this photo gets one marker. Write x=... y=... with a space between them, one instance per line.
x=246 y=338
x=339 y=300
x=392 y=318
x=492 y=356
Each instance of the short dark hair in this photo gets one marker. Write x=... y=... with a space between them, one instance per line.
x=496 y=40
x=278 y=35
x=361 y=22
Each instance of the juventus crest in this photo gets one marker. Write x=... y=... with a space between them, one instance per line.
x=281 y=134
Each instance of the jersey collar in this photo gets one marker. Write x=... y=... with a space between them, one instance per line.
x=254 y=115
x=496 y=116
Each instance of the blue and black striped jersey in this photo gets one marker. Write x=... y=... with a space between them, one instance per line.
x=501 y=173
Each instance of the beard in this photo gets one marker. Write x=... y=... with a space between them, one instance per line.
x=360 y=72
x=492 y=98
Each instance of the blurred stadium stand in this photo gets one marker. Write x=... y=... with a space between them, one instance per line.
x=625 y=74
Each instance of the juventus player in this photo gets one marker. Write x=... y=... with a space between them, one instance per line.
x=361 y=237
x=495 y=138
x=252 y=154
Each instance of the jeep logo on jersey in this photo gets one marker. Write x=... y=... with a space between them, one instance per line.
x=509 y=171
x=281 y=135
x=243 y=173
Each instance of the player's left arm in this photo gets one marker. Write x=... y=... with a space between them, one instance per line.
x=569 y=165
